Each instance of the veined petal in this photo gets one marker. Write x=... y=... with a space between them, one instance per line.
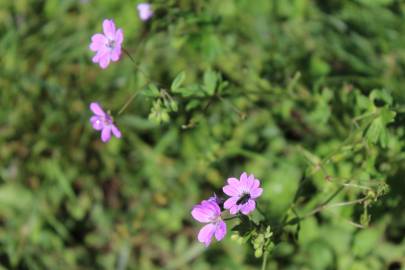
x=220 y=231
x=255 y=193
x=233 y=181
x=201 y=214
x=229 y=203
x=248 y=207
x=206 y=233
x=250 y=181
x=244 y=182
x=212 y=206
x=231 y=190
x=256 y=184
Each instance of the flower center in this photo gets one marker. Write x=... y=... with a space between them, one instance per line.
x=244 y=199
x=110 y=44
x=106 y=120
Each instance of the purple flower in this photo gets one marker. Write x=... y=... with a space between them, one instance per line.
x=102 y=121
x=243 y=193
x=107 y=44
x=209 y=212
x=145 y=11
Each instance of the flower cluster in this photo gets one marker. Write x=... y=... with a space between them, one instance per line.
x=243 y=193
x=108 y=48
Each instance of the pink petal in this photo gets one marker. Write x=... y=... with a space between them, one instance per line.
x=98 y=41
x=116 y=131
x=119 y=36
x=106 y=134
x=212 y=206
x=96 y=109
x=201 y=214
x=234 y=209
x=256 y=184
x=255 y=193
x=206 y=233
x=220 y=230
x=99 y=55
x=229 y=203
x=248 y=207
x=250 y=181
x=244 y=182
x=109 y=29
x=233 y=181
x=231 y=190
x=115 y=54
x=104 y=61
x=96 y=122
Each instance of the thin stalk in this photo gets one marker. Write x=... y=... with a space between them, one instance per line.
x=260 y=211
x=129 y=101
x=264 y=263
x=129 y=55
x=230 y=218
x=333 y=205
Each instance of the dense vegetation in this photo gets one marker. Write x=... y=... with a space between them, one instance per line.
x=308 y=95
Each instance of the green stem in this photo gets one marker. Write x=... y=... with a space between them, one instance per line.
x=260 y=211
x=129 y=55
x=264 y=263
x=129 y=101
x=230 y=218
x=333 y=205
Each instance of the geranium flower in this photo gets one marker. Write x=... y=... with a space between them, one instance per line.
x=104 y=122
x=208 y=211
x=145 y=11
x=243 y=193
x=107 y=44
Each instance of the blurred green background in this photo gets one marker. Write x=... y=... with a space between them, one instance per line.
x=286 y=90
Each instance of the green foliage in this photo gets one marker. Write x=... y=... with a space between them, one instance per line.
x=307 y=95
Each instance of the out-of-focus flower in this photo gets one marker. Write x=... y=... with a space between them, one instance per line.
x=145 y=11
x=242 y=194
x=102 y=121
x=208 y=211
x=107 y=45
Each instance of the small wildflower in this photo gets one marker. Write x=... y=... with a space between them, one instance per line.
x=145 y=11
x=103 y=121
x=208 y=211
x=107 y=44
x=243 y=193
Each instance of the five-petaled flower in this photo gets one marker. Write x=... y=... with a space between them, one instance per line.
x=145 y=11
x=107 y=44
x=208 y=211
x=242 y=194
x=104 y=122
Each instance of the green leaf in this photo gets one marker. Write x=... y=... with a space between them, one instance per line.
x=178 y=81
x=210 y=82
x=364 y=242
x=374 y=131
